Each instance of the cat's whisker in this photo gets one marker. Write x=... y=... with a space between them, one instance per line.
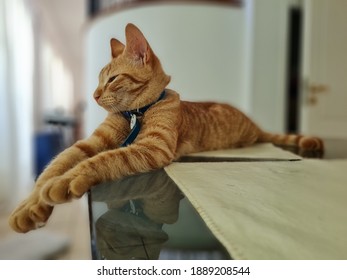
x=115 y=108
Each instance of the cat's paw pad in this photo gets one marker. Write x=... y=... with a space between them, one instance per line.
x=39 y=213
x=29 y=215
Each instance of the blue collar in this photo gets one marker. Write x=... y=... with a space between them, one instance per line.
x=135 y=125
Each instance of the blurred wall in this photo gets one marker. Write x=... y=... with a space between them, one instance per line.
x=40 y=73
x=16 y=100
x=267 y=34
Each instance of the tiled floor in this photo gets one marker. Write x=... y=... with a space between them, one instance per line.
x=68 y=220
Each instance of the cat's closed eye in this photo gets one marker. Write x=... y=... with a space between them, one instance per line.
x=111 y=79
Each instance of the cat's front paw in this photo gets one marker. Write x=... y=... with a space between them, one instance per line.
x=32 y=213
x=65 y=188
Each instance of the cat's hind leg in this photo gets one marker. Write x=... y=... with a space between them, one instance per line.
x=305 y=144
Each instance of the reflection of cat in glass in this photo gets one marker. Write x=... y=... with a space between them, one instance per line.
x=132 y=89
x=137 y=206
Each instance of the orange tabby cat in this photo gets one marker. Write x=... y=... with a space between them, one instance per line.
x=135 y=81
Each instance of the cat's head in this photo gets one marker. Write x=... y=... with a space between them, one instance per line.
x=134 y=78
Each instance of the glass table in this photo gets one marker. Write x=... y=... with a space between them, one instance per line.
x=147 y=217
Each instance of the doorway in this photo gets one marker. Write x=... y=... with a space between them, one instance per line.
x=293 y=70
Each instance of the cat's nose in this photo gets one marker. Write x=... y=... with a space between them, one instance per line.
x=97 y=94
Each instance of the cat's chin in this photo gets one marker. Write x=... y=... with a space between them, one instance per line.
x=109 y=109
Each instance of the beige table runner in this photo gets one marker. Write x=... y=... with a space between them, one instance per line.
x=264 y=151
x=271 y=210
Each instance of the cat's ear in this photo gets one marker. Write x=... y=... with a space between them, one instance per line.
x=117 y=47
x=136 y=44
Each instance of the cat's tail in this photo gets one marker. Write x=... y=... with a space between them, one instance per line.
x=308 y=143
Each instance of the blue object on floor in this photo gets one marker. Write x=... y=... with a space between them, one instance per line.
x=47 y=146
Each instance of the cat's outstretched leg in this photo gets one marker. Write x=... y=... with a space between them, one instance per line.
x=34 y=211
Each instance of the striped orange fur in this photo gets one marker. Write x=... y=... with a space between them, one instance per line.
x=169 y=129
